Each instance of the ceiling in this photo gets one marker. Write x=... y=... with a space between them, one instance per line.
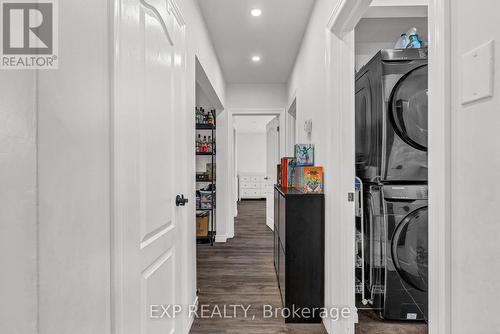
x=275 y=36
x=245 y=123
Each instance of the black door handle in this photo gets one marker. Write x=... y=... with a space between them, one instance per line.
x=180 y=200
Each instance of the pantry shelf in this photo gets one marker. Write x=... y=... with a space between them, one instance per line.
x=205 y=177
x=205 y=127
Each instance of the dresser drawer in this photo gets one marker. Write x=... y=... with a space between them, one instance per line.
x=252 y=186
x=248 y=185
x=246 y=193
x=252 y=193
x=257 y=193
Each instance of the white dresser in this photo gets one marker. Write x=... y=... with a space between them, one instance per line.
x=252 y=186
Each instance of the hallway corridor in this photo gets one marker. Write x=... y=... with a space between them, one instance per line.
x=241 y=271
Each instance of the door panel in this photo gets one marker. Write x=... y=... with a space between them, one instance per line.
x=272 y=158
x=282 y=275
x=157 y=284
x=149 y=70
x=276 y=231
x=282 y=221
x=156 y=169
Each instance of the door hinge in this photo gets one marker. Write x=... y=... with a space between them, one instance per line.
x=278 y=129
x=350 y=197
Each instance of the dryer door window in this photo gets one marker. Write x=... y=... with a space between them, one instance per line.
x=409 y=108
x=410 y=249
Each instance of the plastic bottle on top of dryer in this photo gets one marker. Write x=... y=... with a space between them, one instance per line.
x=402 y=42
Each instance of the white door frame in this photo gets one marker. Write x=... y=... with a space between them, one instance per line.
x=340 y=62
x=272 y=134
x=231 y=173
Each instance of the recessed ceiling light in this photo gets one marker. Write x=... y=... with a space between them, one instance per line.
x=255 y=59
x=256 y=12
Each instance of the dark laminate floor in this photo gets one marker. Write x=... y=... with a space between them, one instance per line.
x=370 y=323
x=241 y=271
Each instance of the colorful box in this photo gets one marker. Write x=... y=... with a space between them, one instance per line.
x=304 y=155
x=308 y=179
x=287 y=165
x=278 y=175
x=291 y=166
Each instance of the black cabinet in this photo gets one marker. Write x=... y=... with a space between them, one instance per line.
x=299 y=251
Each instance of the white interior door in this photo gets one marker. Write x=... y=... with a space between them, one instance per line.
x=148 y=166
x=272 y=159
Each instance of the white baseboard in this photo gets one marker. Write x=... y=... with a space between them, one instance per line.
x=339 y=326
x=270 y=223
x=221 y=238
x=328 y=325
x=191 y=318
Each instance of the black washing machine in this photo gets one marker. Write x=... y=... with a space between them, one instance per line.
x=396 y=225
x=391 y=117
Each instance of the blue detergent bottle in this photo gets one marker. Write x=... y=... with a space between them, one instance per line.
x=414 y=42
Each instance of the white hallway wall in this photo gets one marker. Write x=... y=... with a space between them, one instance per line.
x=71 y=169
x=73 y=175
x=251 y=152
x=475 y=161
x=254 y=96
x=18 y=228
x=308 y=84
x=475 y=164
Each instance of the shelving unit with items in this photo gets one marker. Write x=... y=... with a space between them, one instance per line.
x=205 y=176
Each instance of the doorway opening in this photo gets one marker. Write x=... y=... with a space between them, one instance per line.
x=398 y=231
x=206 y=180
x=243 y=269
x=391 y=108
x=257 y=152
x=208 y=108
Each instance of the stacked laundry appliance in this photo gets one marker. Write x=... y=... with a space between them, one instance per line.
x=391 y=162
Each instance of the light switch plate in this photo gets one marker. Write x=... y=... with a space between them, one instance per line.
x=478 y=73
x=308 y=125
